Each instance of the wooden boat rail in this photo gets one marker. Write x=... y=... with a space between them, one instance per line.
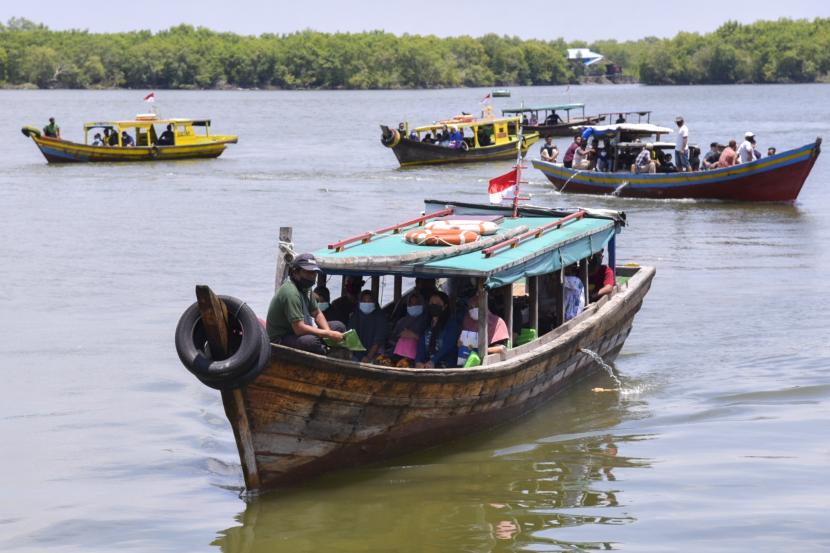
x=535 y=233
x=395 y=229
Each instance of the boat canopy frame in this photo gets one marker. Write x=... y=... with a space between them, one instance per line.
x=549 y=109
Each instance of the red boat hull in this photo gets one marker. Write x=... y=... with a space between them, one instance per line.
x=774 y=179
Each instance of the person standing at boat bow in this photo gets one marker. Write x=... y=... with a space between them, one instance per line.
x=293 y=311
x=52 y=130
x=681 y=148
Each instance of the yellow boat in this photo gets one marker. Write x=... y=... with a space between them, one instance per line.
x=186 y=142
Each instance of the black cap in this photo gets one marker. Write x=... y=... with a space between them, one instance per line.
x=306 y=261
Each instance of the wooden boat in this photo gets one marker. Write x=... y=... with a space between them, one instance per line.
x=777 y=178
x=549 y=123
x=490 y=139
x=187 y=143
x=304 y=414
x=501 y=93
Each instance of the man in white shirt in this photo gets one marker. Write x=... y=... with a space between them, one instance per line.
x=746 y=152
x=681 y=147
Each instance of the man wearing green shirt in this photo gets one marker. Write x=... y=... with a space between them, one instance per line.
x=294 y=320
x=52 y=130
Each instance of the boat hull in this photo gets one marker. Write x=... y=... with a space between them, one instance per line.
x=306 y=414
x=64 y=151
x=774 y=179
x=410 y=152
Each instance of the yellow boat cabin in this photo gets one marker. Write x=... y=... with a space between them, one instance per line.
x=145 y=138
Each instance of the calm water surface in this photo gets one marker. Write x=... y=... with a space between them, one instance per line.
x=722 y=442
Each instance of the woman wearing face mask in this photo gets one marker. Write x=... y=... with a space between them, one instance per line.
x=496 y=329
x=371 y=326
x=437 y=345
x=409 y=328
x=322 y=296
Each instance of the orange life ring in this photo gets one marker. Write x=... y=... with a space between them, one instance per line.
x=448 y=237
x=484 y=228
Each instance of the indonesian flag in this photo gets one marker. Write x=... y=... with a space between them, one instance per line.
x=150 y=97
x=486 y=98
x=503 y=187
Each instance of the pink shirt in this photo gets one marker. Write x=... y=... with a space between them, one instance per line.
x=496 y=327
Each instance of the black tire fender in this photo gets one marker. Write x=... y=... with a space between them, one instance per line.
x=247 y=341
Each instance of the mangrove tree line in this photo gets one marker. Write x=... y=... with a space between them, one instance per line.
x=188 y=57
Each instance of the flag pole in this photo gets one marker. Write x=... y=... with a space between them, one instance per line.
x=518 y=173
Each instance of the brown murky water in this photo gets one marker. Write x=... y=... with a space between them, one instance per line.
x=720 y=442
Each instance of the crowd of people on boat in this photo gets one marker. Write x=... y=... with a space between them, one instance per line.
x=592 y=153
x=110 y=136
x=427 y=327
x=552 y=119
x=451 y=137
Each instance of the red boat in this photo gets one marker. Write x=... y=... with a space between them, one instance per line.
x=777 y=178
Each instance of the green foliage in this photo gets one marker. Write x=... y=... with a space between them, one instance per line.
x=191 y=57
x=763 y=52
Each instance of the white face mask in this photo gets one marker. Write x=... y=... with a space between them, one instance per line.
x=415 y=310
x=366 y=307
x=474 y=313
x=322 y=305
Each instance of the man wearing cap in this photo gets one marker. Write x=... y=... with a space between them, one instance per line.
x=342 y=308
x=293 y=311
x=681 y=147
x=746 y=152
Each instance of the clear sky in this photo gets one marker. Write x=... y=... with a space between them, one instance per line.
x=577 y=20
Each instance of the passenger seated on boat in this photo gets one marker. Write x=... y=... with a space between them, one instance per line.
x=408 y=329
x=549 y=151
x=126 y=140
x=553 y=119
x=644 y=163
x=342 y=308
x=581 y=161
x=710 y=160
x=483 y=137
x=620 y=119
x=728 y=156
x=323 y=299
x=746 y=150
x=438 y=344
x=603 y=157
x=294 y=318
x=496 y=329
x=166 y=138
x=371 y=326
x=424 y=287
x=456 y=138
x=97 y=141
x=534 y=119
x=524 y=120
x=113 y=140
x=574 y=293
x=601 y=280
x=428 y=139
x=666 y=165
x=444 y=137
x=771 y=151
x=413 y=136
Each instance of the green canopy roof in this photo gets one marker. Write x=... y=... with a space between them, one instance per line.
x=543 y=108
x=563 y=246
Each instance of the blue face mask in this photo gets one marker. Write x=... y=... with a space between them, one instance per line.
x=322 y=305
x=366 y=307
x=415 y=310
